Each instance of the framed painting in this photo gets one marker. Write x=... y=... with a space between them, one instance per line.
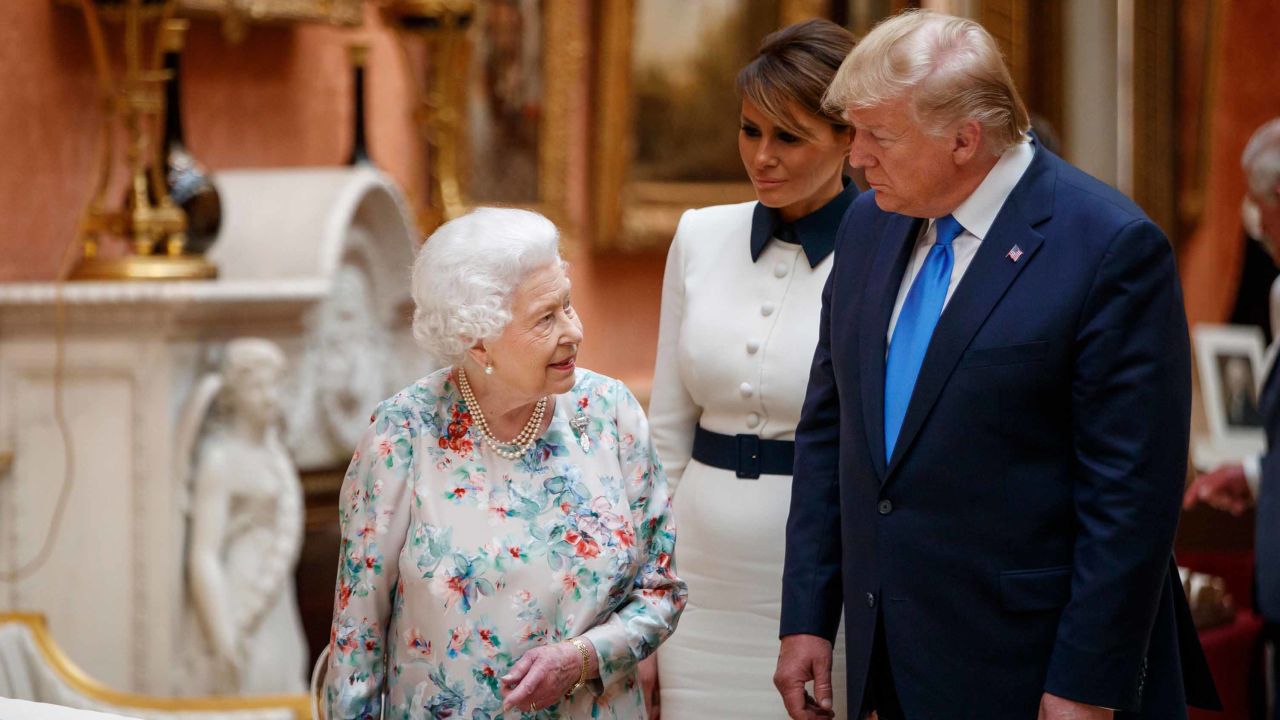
x=667 y=115
x=667 y=111
x=524 y=58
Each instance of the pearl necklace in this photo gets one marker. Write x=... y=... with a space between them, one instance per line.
x=522 y=442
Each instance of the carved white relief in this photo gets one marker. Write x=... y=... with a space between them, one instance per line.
x=343 y=372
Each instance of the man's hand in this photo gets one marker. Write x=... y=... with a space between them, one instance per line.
x=1053 y=707
x=1224 y=489
x=648 y=676
x=803 y=658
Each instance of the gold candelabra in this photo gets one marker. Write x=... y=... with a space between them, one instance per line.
x=440 y=28
x=153 y=227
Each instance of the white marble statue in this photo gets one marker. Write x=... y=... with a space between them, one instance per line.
x=245 y=532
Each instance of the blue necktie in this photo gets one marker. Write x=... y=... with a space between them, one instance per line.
x=916 y=321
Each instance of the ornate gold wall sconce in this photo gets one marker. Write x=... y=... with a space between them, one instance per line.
x=147 y=219
x=439 y=28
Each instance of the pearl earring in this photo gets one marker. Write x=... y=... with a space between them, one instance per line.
x=488 y=369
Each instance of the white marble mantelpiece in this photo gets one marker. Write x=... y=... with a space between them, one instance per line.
x=316 y=260
x=180 y=309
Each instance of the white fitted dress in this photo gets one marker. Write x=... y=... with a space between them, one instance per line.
x=736 y=340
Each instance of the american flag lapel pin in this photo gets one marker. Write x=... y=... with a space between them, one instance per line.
x=1014 y=254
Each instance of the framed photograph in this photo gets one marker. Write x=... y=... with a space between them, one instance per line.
x=1229 y=361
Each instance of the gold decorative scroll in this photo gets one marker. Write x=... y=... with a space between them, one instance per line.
x=130 y=703
x=336 y=12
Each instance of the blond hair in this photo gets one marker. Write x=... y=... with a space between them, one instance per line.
x=795 y=65
x=947 y=68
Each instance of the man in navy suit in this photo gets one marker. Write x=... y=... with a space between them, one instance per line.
x=994 y=439
x=1236 y=486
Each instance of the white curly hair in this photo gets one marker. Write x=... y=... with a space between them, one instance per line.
x=1261 y=162
x=466 y=272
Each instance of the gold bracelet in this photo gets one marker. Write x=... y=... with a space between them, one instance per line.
x=585 y=652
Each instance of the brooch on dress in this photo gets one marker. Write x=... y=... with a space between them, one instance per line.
x=579 y=425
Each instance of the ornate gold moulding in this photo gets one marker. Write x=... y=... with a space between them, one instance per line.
x=147 y=219
x=80 y=683
x=146 y=267
x=337 y=12
x=440 y=27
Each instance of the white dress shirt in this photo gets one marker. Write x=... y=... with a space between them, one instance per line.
x=976 y=215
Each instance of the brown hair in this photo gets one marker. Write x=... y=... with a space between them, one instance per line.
x=796 y=64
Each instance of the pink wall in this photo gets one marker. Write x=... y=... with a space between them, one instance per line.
x=280 y=98
x=1244 y=95
x=48 y=140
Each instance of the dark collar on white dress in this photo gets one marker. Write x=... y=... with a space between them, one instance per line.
x=815 y=232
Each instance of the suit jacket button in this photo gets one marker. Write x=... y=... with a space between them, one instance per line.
x=885 y=507
x=871 y=600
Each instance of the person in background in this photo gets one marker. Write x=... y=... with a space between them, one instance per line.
x=740 y=303
x=507 y=541
x=1256 y=481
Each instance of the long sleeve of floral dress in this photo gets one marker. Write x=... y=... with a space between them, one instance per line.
x=456 y=561
x=649 y=613
x=374 y=514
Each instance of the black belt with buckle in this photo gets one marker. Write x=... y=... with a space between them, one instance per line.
x=746 y=455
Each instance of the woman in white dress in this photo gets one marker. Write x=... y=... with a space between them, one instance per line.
x=740 y=305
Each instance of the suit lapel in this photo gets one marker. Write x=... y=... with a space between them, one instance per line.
x=985 y=282
x=880 y=296
x=1267 y=398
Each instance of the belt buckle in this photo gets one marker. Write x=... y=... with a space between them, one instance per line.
x=748 y=456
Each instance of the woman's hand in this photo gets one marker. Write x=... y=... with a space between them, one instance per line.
x=648 y=676
x=543 y=676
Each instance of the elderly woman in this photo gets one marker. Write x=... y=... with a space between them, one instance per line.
x=507 y=538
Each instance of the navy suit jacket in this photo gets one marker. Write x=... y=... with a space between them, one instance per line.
x=1267 y=520
x=1020 y=538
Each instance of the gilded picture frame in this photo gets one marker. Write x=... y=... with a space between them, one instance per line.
x=632 y=211
x=638 y=211
x=561 y=54
x=338 y=12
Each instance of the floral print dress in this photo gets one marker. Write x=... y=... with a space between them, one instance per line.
x=456 y=561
